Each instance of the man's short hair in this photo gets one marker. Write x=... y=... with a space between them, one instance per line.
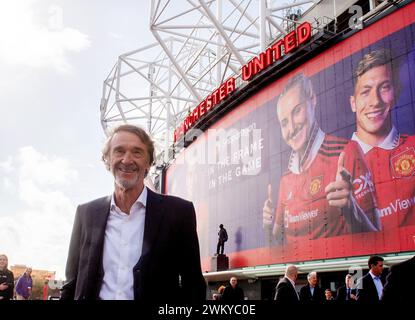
x=378 y=58
x=291 y=270
x=139 y=132
x=299 y=81
x=374 y=260
x=312 y=273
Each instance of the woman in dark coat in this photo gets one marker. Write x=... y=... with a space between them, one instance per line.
x=6 y=279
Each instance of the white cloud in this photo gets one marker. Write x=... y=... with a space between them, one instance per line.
x=44 y=170
x=38 y=233
x=26 y=42
x=6 y=165
x=9 y=186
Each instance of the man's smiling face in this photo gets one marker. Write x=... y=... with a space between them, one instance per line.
x=373 y=100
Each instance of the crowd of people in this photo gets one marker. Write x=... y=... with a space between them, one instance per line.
x=374 y=287
x=10 y=289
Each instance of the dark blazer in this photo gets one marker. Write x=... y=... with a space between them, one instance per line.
x=367 y=292
x=285 y=292
x=7 y=277
x=342 y=292
x=233 y=295
x=318 y=295
x=400 y=283
x=169 y=266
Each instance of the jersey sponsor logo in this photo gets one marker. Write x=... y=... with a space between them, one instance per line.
x=363 y=185
x=315 y=185
x=302 y=216
x=397 y=205
x=403 y=164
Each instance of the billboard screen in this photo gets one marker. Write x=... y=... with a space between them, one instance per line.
x=320 y=163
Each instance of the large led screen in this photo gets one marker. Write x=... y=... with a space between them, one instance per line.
x=319 y=164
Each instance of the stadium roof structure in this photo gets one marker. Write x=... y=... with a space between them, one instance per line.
x=198 y=45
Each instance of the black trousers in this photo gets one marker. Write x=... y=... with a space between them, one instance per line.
x=221 y=246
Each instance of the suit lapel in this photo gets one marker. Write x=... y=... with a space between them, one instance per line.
x=99 y=223
x=154 y=215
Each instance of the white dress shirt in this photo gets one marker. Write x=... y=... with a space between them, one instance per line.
x=122 y=249
x=390 y=142
x=378 y=284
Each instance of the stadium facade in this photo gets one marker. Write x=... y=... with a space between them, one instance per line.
x=231 y=156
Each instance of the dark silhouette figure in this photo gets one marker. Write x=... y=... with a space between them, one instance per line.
x=399 y=283
x=223 y=237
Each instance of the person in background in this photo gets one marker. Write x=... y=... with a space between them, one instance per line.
x=329 y=295
x=346 y=292
x=285 y=290
x=6 y=279
x=135 y=244
x=218 y=295
x=311 y=292
x=400 y=282
x=370 y=286
x=24 y=285
x=233 y=292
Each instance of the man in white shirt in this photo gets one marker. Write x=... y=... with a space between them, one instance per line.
x=135 y=244
x=311 y=292
x=369 y=287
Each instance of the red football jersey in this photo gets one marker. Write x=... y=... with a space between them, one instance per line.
x=303 y=212
x=394 y=177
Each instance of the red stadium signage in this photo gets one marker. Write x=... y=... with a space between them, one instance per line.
x=206 y=106
x=274 y=53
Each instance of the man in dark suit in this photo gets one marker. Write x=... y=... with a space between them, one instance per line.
x=370 y=286
x=135 y=244
x=233 y=293
x=311 y=292
x=347 y=293
x=400 y=283
x=285 y=290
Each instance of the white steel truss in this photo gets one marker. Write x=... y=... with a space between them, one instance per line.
x=199 y=44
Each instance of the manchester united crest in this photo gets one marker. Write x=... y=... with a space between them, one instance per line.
x=403 y=164
x=315 y=185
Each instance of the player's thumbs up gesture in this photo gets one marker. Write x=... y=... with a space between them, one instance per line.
x=338 y=192
x=268 y=210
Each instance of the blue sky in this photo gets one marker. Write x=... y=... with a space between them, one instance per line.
x=54 y=56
